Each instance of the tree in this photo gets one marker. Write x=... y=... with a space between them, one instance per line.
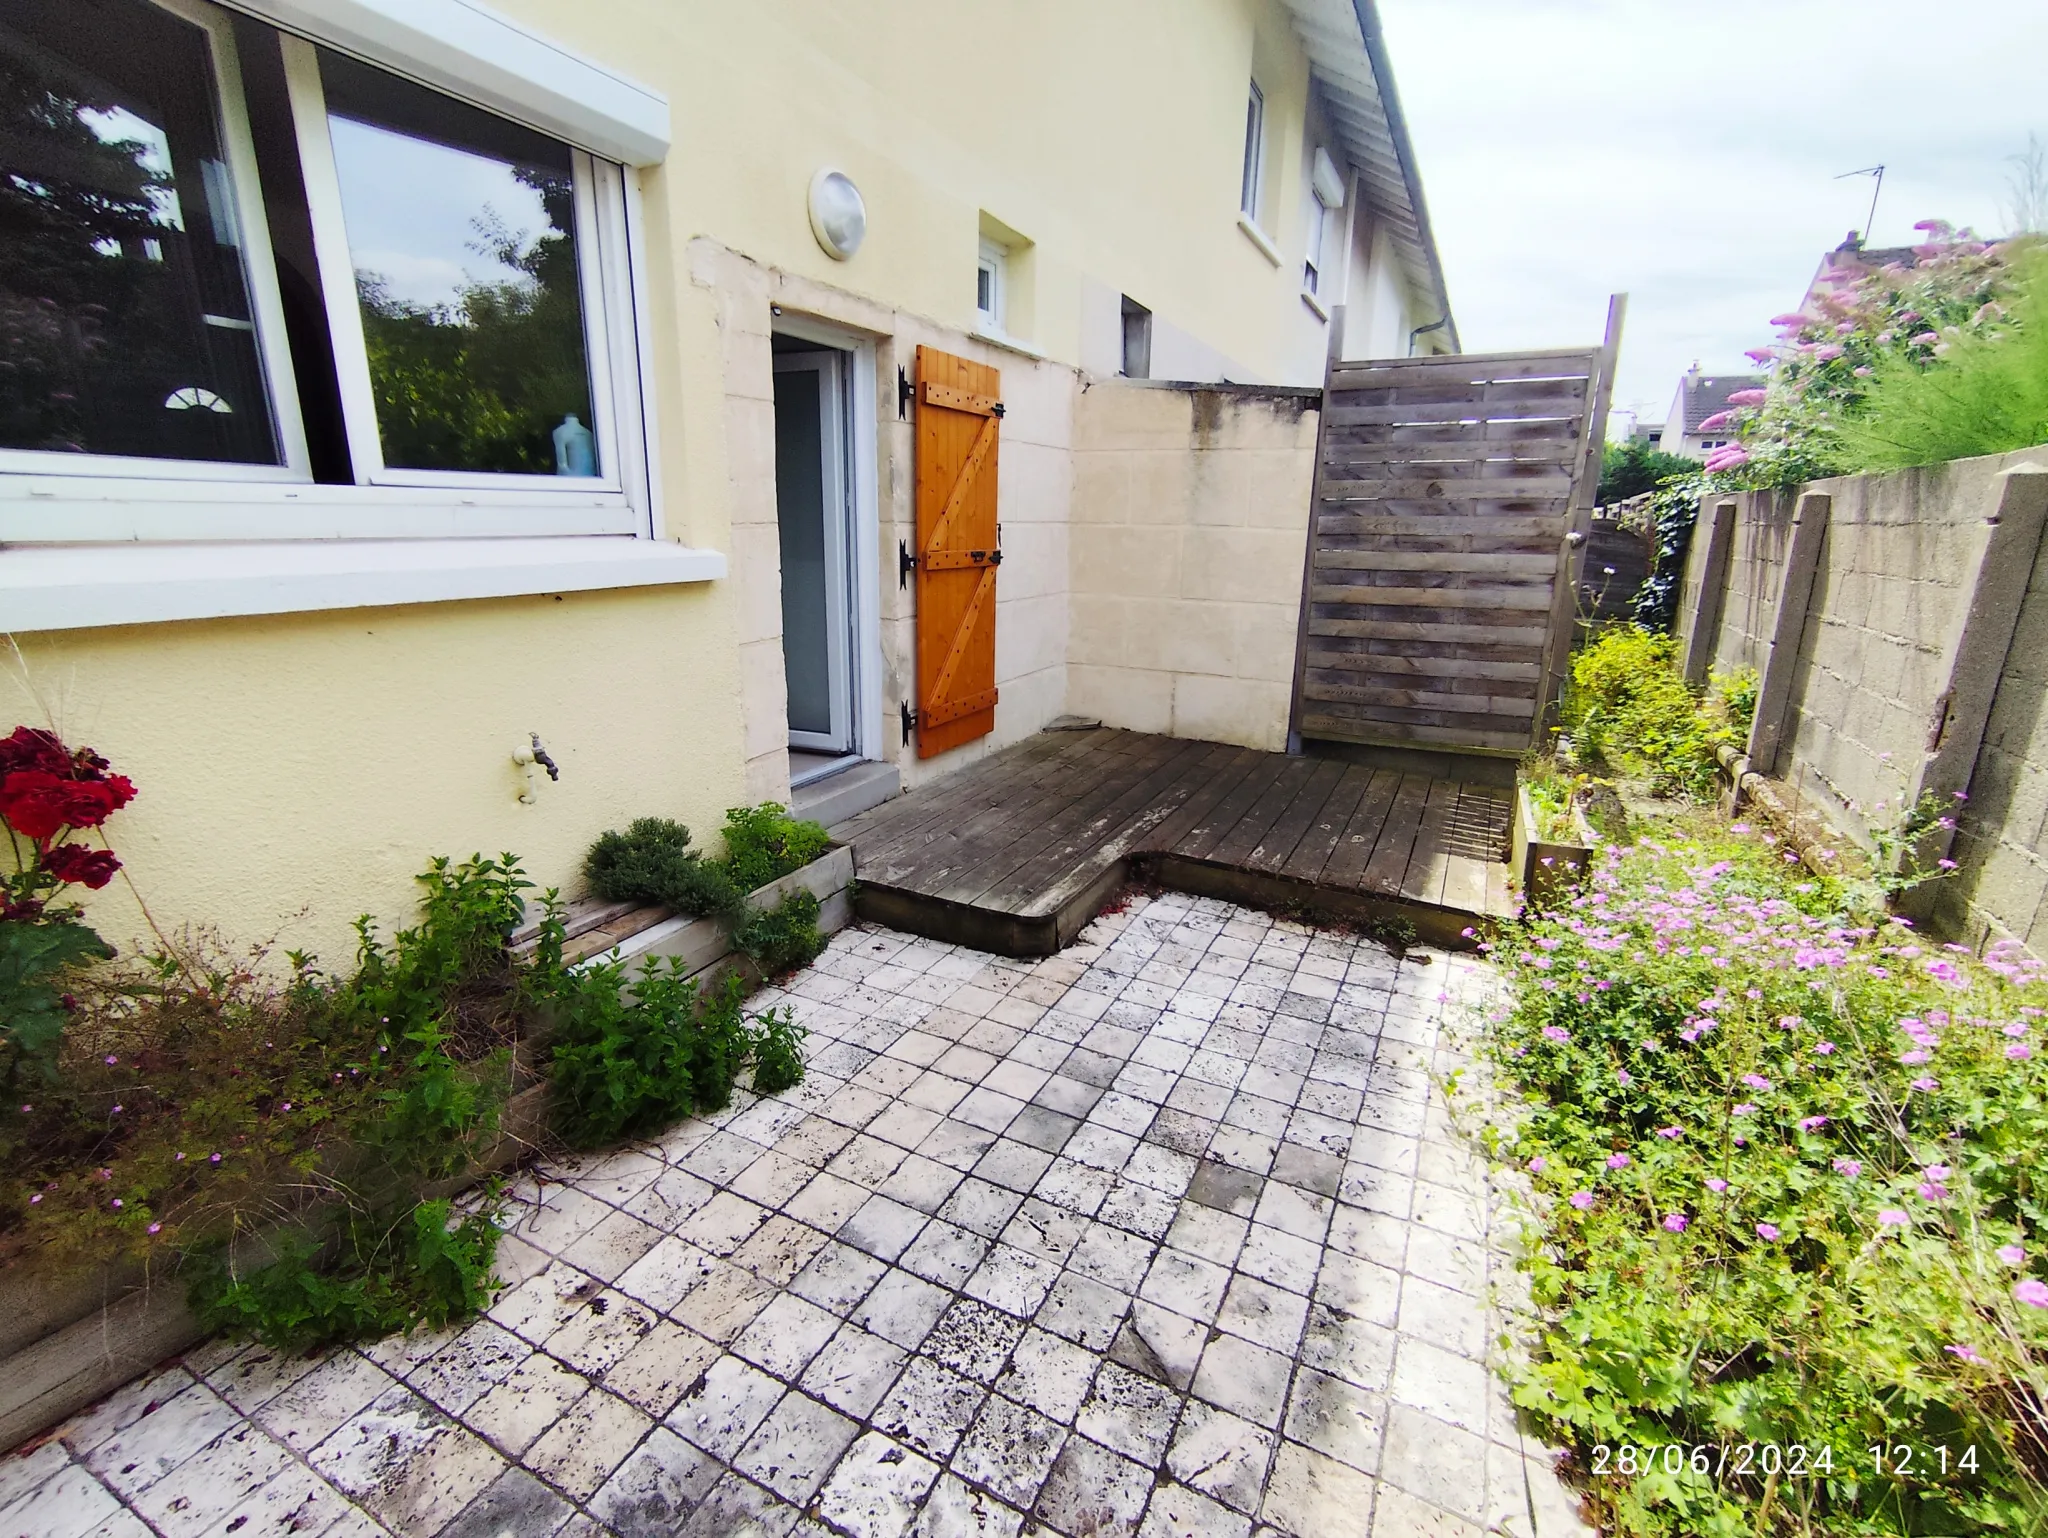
x=1632 y=468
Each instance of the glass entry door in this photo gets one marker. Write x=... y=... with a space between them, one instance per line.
x=812 y=508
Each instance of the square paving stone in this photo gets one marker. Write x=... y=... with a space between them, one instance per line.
x=854 y=1370
x=1222 y=1456
x=1010 y=1449
x=1225 y=1188
x=973 y=1340
x=1092 y=1490
x=654 y=1491
x=796 y=1446
x=1130 y=1413
x=877 y=1489
x=930 y=1408
x=1049 y=1374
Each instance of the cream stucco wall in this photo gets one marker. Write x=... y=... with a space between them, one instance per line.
x=1190 y=527
x=298 y=770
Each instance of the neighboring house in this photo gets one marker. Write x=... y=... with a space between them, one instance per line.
x=1700 y=397
x=390 y=382
x=1852 y=260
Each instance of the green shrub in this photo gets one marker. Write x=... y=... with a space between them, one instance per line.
x=1984 y=392
x=778 y=1051
x=782 y=938
x=765 y=843
x=420 y=1270
x=626 y=1062
x=1632 y=468
x=652 y=862
x=1628 y=707
x=1786 y=1159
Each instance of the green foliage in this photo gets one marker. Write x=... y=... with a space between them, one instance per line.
x=1674 y=513
x=765 y=843
x=421 y=1270
x=1627 y=707
x=198 y=1098
x=1629 y=469
x=652 y=862
x=34 y=960
x=1984 y=392
x=628 y=1061
x=1785 y=1163
x=782 y=938
x=778 y=1051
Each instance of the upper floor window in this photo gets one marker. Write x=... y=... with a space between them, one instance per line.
x=991 y=279
x=1326 y=197
x=229 y=254
x=1254 y=153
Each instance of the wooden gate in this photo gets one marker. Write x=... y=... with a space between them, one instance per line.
x=959 y=414
x=1451 y=494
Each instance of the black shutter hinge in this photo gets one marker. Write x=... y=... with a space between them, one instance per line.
x=905 y=393
x=996 y=410
x=909 y=721
x=906 y=563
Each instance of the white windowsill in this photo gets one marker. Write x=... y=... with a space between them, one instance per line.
x=1259 y=238
x=1007 y=342
x=1315 y=305
x=76 y=587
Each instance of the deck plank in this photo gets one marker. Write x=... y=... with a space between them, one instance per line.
x=1320 y=841
x=1389 y=862
x=1199 y=844
x=1236 y=846
x=1346 y=868
x=1429 y=860
x=1276 y=846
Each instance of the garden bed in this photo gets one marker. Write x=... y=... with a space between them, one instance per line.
x=69 y=1336
x=1783 y=1154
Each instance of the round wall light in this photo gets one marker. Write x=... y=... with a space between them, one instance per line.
x=838 y=216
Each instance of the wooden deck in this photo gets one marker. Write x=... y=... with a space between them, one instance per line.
x=1016 y=854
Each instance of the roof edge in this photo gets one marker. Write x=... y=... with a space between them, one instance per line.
x=1397 y=126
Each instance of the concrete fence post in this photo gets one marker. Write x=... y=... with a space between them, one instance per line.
x=1697 y=652
x=1973 y=659
x=1788 y=628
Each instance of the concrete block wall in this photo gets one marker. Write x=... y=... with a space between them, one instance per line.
x=1188 y=534
x=1871 y=684
x=1890 y=590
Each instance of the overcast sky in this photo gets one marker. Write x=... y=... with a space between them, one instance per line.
x=1685 y=154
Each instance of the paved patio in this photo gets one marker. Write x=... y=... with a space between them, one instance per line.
x=1168 y=1234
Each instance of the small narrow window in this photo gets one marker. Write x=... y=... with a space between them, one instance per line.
x=1318 y=232
x=990 y=279
x=1254 y=152
x=1137 y=340
x=1325 y=197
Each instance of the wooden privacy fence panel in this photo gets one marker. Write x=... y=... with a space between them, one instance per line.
x=1440 y=574
x=959 y=421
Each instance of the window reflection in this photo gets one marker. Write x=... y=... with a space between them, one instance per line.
x=462 y=232
x=125 y=322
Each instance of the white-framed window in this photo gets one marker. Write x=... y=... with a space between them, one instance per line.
x=1254 y=153
x=991 y=284
x=257 y=288
x=1325 y=198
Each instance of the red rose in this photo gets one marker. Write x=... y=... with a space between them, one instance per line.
x=36 y=803
x=33 y=801
x=31 y=748
x=92 y=868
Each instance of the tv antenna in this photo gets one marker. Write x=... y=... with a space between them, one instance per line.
x=1873 y=171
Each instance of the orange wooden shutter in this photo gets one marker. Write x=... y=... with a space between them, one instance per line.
x=959 y=415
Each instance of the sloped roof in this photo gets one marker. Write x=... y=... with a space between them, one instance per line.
x=1709 y=393
x=1347 y=56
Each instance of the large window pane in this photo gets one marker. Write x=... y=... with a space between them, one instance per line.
x=462 y=232
x=125 y=322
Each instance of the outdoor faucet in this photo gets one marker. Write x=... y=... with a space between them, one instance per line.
x=526 y=755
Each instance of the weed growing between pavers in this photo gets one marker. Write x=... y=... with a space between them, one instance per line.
x=1792 y=1245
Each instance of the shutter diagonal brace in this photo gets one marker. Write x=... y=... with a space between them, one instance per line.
x=983 y=442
